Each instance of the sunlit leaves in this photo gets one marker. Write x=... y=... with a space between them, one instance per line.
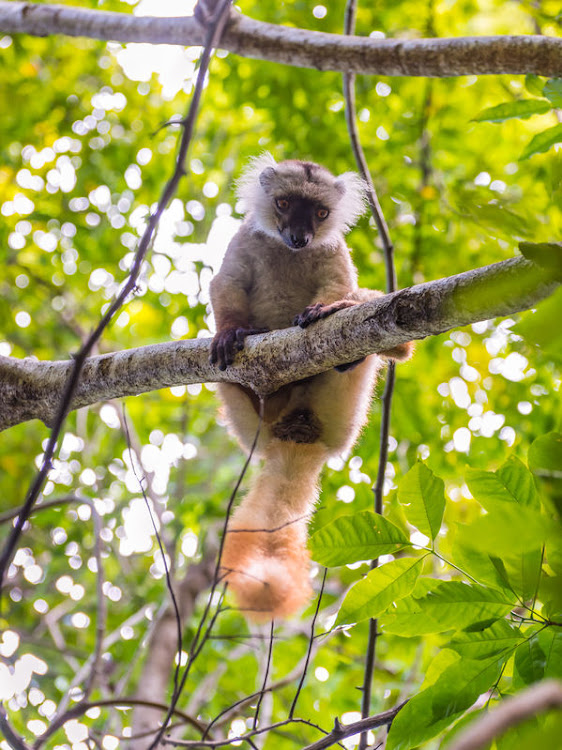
x=529 y=661
x=512 y=482
x=522 y=529
x=553 y=91
x=362 y=536
x=448 y=605
x=385 y=584
x=545 y=455
x=541 y=327
x=543 y=141
x=423 y=495
x=522 y=108
x=545 y=254
x=498 y=638
x=455 y=197
x=429 y=712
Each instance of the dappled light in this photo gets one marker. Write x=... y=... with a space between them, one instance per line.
x=137 y=490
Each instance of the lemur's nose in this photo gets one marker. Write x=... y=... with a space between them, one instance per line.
x=299 y=240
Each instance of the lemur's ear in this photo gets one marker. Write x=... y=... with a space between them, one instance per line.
x=353 y=201
x=266 y=178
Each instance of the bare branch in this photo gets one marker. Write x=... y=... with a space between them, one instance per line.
x=340 y=732
x=14 y=740
x=68 y=388
x=29 y=389
x=162 y=648
x=511 y=712
x=310 y=646
x=388 y=247
x=301 y=47
x=349 y=730
x=79 y=709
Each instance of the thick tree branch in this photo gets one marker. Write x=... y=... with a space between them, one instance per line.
x=301 y=47
x=30 y=389
x=536 y=699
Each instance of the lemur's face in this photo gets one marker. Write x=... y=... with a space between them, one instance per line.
x=298 y=219
x=300 y=204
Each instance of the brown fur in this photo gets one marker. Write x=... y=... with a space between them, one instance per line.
x=263 y=283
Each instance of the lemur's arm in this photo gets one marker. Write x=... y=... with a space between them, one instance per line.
x=229 y=298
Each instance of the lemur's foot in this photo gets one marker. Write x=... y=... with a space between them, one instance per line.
x=319 y=310
x=299 y=426
x=226 y=343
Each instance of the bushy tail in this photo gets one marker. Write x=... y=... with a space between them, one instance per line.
x=265 y=558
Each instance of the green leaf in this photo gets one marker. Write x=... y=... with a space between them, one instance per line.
x=429 y=712
x=542 y=731
x=373 y=594
x=545 y=455
x=550 y=641
x=553 y=91
x=534 y=84
x=500 y=636
x=541 y=326
x=477 y=563
x=507 y=530
x=545 y=254
x=517 y=571
x=523 y=109
x=543 y=141
x=449 y=605
x=550 y=593
x=512 y=482
x=361 y=536
x=529 y=663
x=423 y=495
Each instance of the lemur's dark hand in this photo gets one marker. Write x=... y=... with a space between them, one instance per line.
x=315 y=312
x=226 y=343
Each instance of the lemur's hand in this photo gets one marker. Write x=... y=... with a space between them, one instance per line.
x=319 y=310
x=226 y=343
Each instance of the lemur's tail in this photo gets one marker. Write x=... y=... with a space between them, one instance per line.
x=265 y=558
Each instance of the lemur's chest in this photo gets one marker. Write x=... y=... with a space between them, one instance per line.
x=281 y=290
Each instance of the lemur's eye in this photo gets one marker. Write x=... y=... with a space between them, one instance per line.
x=282 y=204
x=322 y=213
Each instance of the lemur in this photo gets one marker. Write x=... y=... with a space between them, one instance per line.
x=288 y=265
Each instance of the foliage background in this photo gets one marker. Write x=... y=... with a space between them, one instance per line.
x=82 y=158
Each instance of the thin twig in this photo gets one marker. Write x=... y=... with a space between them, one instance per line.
x=213 y=36
x=14 y=740
x=224 y=716
x=266 y=675
x=101 y=603
x=90 y=668
x=169 y=584
x=310 y=644
x=67 y=500
x=374 y=203
x=196 y=647
x=79 y=709
x=330 y=738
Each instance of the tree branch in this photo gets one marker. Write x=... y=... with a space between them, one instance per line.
x=300 y=47
x=536 y=699
x=163 y=646
x=30 y=389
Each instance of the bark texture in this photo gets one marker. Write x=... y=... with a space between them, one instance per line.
x=162 y=650
x=30 y=389
x=300 y=47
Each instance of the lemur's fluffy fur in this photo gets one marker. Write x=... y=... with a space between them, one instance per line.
x=344 y=194
x=264 y=283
